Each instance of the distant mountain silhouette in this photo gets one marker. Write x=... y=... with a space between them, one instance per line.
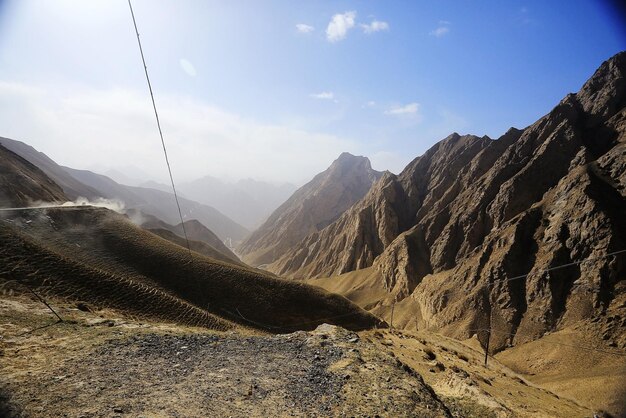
x=248 y=202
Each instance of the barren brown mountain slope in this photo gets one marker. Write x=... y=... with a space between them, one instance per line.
x=311 y=208
x=22 y=183
x=463 y=239
x=202 y=239
x=99 y=256
x=389 y=208
x=486 y=210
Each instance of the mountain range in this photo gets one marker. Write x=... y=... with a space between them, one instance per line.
x=514 y=245
x=474 y=212
x=511 y=239
x=84 y=183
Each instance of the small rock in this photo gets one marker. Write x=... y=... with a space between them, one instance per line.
x=83 y=307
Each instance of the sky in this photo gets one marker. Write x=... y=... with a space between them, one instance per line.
x=276 y=90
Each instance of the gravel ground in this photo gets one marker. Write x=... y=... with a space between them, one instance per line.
x=327 y=372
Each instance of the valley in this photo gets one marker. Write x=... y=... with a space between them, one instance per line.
x=487 y=278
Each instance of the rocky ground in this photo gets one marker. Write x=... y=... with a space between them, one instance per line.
x=101 y=364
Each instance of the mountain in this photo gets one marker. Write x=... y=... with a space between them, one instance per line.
x=473 y=212
x=247 y=201
x=201 y=238
x=310 y=209
x=162 y=204
x=71 y=187
x=520 y=239
x=83 y=183
x=123 y=177
x=150 y=184
x=98 y=256
x=22 y=184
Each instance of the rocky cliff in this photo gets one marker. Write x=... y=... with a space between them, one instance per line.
x=310 y=209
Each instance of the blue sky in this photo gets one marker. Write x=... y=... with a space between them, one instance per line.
x=275 y=90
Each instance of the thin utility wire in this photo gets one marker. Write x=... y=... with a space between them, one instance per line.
x=156 y=115
x=510 y=279
x=522 y=276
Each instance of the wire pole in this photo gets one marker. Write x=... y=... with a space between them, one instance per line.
x=392 y=309
x=488 y=299
x=487 y=345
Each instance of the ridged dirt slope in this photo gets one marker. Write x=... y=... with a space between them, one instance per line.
x=98 y=256
x=311 y=208
x=482 y=210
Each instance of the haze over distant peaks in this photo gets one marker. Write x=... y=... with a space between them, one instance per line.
x=86 y=184
x=248 y=202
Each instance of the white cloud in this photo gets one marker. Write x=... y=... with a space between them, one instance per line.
x=371 y=103
x=325 y=95
x=339 y=26
x=408 y=109
x=440 y=31
x=375 y=26
x=188 y=67
x=85 y=128
x=304 y=28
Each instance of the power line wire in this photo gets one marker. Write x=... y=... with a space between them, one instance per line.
x=156 y=115
x=562 y=266
x=510 y=279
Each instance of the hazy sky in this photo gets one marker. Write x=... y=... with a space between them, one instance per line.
x=276 y=90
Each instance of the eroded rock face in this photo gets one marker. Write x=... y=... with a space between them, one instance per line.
x=314 y=206
x=482 y=210
x=555 y=195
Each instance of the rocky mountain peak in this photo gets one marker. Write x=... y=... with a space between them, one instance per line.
x=347 y=163
x=604 y=93
x=311 y=208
